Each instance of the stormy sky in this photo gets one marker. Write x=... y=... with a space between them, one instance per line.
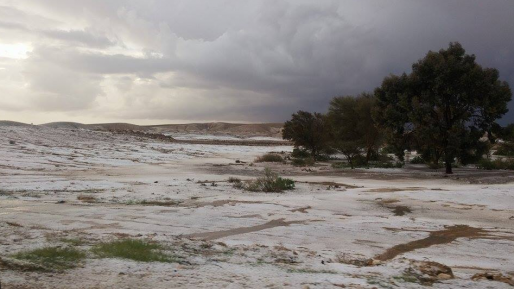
x=164 y=61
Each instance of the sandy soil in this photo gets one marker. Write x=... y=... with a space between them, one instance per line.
x=337 y=229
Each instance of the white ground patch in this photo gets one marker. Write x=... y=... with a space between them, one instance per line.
x=57 y=183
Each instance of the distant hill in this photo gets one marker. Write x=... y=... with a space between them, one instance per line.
x=12 y=123
x=240 y=129
x=69 y=125
x=215 y=128
x=115 y=126
x=99 y=126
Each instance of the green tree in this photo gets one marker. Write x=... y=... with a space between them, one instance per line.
x=446 y=99
x=506 y=134
x=306 y=130
x=392 y=113
x=352 y=128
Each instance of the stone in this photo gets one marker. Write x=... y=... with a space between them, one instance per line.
x=444 y=276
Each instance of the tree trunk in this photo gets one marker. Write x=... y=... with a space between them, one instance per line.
x=437 y=157
x=368 y=154
x=350 y=161
x=448 y=163
x=314 y=152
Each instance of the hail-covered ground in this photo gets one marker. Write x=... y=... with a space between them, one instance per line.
x=339 y=228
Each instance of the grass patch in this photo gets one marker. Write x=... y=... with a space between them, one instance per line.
x=269 y=158
x=131 y=249
x=53 y=258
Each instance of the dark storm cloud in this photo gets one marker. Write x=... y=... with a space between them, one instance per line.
x=244 y=60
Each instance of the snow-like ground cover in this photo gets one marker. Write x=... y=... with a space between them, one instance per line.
x=58 y=184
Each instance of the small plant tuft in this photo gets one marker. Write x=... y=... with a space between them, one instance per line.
x=87 y=199
x=233 y=180
x=269 y=183
x=236 y=183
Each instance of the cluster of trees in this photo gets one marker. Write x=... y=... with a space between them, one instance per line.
x=442 y=109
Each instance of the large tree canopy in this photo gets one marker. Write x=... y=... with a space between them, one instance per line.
x=352 y=129
x=443 y=104
x=306 y=130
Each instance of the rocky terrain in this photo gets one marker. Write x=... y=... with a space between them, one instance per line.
x=73 y=188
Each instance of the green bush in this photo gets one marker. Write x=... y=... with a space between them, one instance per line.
x=239 y=185
x=387 y=165
x=486 y=164
x=505 y=149
x=300 y=153
x=359 y=161
x=323 y=158
x=269 y=158
x=236 y=183
x=388 y=149
x=303 y=162
x=379 y=156
x=283 y=184
x=269 y=183
x=302 y=158
x=417 y=160
x=435 y=166
x=340 y=165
